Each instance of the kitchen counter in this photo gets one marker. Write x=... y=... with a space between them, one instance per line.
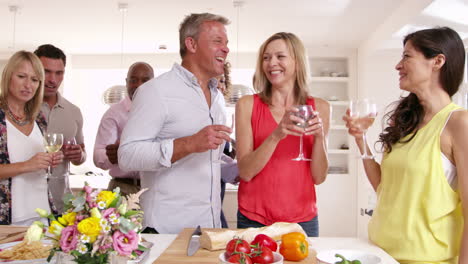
x=161 y=242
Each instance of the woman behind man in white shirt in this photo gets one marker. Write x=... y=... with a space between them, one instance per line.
x=23 y=161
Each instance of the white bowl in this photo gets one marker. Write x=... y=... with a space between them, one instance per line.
x=277 y=258
x=328 y=257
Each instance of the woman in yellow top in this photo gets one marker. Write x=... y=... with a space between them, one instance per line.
x=422 y=182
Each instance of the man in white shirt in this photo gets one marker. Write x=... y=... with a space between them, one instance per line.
x=171 y=138
x=110 y=130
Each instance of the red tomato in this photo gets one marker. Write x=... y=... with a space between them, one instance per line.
x=240 y=258
x=264 y=255
x=237 y=245
x=264 y=240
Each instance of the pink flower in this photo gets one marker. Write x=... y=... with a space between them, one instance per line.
x=124 y=244
x=69 y=238
x=88 y=190
x=107 y=212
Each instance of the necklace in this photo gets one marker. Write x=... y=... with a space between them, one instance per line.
x=16 y=118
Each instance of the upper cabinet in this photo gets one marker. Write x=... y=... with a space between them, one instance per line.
x=331 y=81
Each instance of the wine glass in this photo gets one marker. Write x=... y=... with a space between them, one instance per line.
x=365 y=111
x=306 y=113
x=68 y=144
x=52 y=143
x=221 y=120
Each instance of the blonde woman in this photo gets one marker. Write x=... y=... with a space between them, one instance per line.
x=273 y=188
x=22 y=157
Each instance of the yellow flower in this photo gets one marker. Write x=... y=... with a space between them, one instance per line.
x=106 y=196
x=67 y=219
x=55 y=228
x=42 y=212
x=89 y=226
x=95 y=213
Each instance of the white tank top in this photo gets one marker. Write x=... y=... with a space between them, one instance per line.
x=28 y=190
x=449 y=169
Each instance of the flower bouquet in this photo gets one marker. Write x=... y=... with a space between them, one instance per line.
x=96 y=226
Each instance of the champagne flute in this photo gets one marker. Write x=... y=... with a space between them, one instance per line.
x=220 y=120
x=365 y=111
x=306 y=113
x=52 y=143
x=68 y=144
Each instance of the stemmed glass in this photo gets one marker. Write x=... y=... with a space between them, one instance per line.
x=220 y=120
x=52 y=143
x=306 y=113
x=365 y=111
x=67 y=144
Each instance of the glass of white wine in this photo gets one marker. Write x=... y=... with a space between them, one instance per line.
x=67 y=145
x=365 y=111
x=53 y=143
x=306 y=113
x=221 y=120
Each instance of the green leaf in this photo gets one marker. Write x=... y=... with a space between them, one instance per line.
x=51 y=255
x=126 y=225
x=79 y=203
x=130 y=213
x=116 y=202
x=142 y=248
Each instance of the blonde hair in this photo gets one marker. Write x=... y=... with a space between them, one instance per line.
x=33 y=106
x=191 y=25
x=298 y=52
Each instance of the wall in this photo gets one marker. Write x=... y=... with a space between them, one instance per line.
x=377 y=79
x=88 y=76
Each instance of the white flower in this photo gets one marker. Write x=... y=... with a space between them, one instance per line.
x=106 y=228
x=101 y=205
x=84 y=239
x=35 y=232
x=103 y=222
x=82 y=248
x=113 y=219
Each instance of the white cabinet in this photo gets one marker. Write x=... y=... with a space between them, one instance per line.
x=333 y=79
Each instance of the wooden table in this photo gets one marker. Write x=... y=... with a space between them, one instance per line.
x=171 y=249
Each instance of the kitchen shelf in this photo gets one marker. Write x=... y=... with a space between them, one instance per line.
x=338 y=151
x=337 y=174
x=339 y=103
x=328 y=79
x=338 y=127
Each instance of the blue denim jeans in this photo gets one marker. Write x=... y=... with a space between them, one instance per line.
x=310 y=227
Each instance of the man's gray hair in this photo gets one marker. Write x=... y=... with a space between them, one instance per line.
x=190 y=27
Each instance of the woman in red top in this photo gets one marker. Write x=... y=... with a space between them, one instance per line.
x=273 y=188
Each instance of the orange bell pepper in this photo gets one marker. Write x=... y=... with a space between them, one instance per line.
x=294 y=246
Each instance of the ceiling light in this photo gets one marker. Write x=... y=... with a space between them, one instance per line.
x=14 y=9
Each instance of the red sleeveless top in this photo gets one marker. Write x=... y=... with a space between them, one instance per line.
x=284 y=190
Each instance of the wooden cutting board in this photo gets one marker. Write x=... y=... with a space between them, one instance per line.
x=10 y=233
x=176 y=253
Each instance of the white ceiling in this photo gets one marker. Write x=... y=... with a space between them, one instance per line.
x=95 y=26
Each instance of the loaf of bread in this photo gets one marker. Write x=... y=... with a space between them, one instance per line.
x=216 y=240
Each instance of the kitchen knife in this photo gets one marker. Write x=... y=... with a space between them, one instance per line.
x=194 y=242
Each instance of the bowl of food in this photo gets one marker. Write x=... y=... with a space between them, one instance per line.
x=235 y=258
x=352 y=256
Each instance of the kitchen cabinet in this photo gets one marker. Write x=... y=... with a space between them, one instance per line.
x=333 y=79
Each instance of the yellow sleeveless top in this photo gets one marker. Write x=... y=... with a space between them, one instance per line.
x=418 y=217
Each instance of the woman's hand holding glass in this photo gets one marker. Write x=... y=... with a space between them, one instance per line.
x=304 y=114
x=359 y=117
x=53 y=143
